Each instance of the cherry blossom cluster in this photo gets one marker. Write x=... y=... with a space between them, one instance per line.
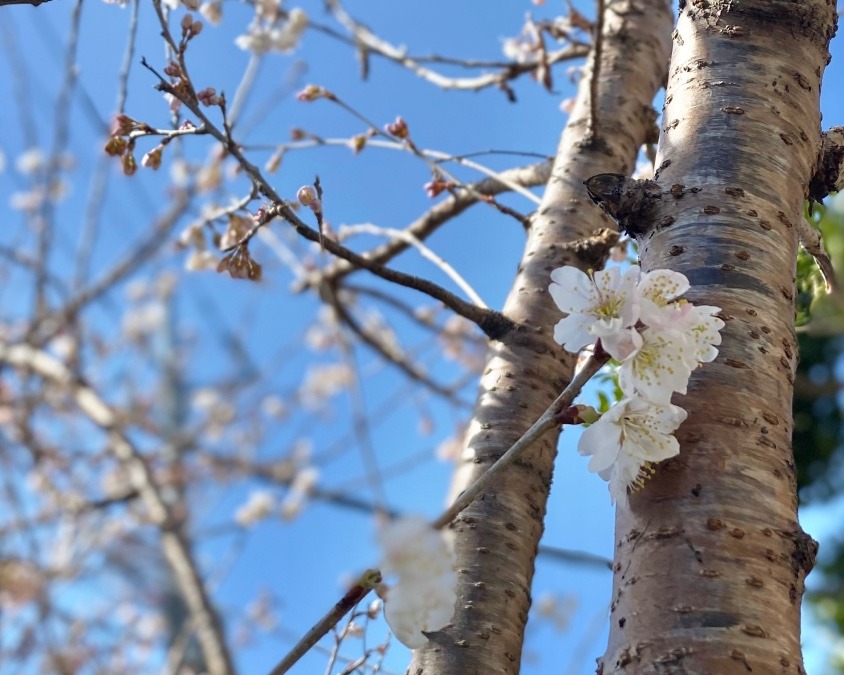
x=421 y=561
x=657 y=338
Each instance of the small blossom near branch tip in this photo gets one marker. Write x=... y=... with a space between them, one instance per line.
x=422 y=598
x=313 y=92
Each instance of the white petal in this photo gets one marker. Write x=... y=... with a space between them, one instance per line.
x=573 y=332
x=655 y=293
x=572 y=289
x=702 y=329
x=426 y=605
x=629 y=281
x=646 y=443
x=623 y=344
x=602 y=440
x=623 y=475
x=412 y=548
x=663 y=286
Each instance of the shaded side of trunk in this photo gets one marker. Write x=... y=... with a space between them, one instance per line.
x=497 y=537
x=710 y=558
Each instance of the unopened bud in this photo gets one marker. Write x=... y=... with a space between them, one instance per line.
x=275 y=161
x=307 y=196
x=587 y=414
x=208 y=96
x=152 y=159
x=374 y=609
x=358 y=143
x=122 y=125
x=577 y=414
x=312 y=92
x=116 y=146
x=398 y=128
x=173 y=69
x=212 y=11
x=129 y=164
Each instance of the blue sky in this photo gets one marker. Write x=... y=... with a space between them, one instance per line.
x=305 y=561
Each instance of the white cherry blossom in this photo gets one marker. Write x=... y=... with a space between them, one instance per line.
x=599 y=305
x=701 y=328
x=629 y=436
x=659 y=367
x=656 y=292
x=423 y=595
x=412 y=608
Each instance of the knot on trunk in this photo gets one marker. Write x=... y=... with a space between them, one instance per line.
x=829 y=174
x=804 y=553
x=631 y=202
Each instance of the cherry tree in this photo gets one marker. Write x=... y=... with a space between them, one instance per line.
x=659 y=259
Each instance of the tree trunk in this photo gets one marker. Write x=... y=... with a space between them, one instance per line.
x=710 y=559
x=497 y=537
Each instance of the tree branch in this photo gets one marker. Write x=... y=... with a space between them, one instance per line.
x=494 y=324
x=367 y=41
x=386 y=352
x=34 y=3
x=547 y=421
x=431 y=220
x=175 y=546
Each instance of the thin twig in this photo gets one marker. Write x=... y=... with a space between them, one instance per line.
x=365 y=39
x=424 y=251
x=545 y=422
x=244 y=88
x=128 y=59
x=388 y=353
x=140 y=253
x=571 y=557
x=52 y=172
x=493 y=323
x=436 y=216
x=91 y=221
x=21 y=82
x=432 y=158
x=360 y=425
x=352 y=597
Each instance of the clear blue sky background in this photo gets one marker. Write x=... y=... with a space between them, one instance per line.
x=304 y=562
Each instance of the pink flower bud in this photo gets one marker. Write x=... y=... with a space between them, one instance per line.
x=307 y=196
x=173 y=69
x=398 y=128
x=208 y=96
